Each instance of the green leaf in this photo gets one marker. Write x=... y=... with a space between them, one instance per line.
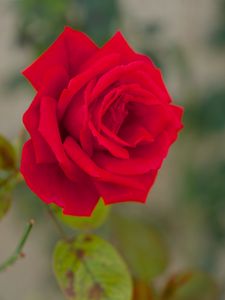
x=7 y=154
x=142 y=246
x=90 y=268
x=5 y=201
x=191 y=286
x=97 y=218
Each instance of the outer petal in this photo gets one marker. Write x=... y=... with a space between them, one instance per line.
x=71 y=49
x=175 y=125
x=31 y=118
x=112 y=193
x=50 y=184
x=56 y=79
x=152 y=79
x=48 y=128
x=116 y=44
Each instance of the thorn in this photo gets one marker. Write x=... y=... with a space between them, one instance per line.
x=22 y=254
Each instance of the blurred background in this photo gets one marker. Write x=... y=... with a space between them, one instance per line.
x=186 y=39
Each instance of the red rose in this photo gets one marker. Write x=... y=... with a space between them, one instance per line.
x=101 y=124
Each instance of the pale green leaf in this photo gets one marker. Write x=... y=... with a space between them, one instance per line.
x=89 y=268
x=97 y=218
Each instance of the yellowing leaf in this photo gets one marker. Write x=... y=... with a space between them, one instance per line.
x=89 y=268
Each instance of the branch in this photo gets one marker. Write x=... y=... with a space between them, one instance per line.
x=18 y=252
x=56 y=223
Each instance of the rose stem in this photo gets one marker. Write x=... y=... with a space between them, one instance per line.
x=18 y=252
x=57 y=224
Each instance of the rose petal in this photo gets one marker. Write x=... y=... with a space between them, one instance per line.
x=117 y=93
x=114 y=75
x=175 y=125
x=113 y=193
x=52 y=186
x=113 y=148
x=83 y=78
x=154 y=118
x=118 y=44
x=55 y=80
x=74 y=119
x=133 y=134
x=71 y=49
x=154 y=83
x=142 y=159
x=49 y=130
x=43 y=152
x=88 y=166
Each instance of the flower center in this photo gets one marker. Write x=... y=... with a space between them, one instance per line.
x=115 y=115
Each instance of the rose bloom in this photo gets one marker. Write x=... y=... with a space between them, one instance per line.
x=101 y=124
